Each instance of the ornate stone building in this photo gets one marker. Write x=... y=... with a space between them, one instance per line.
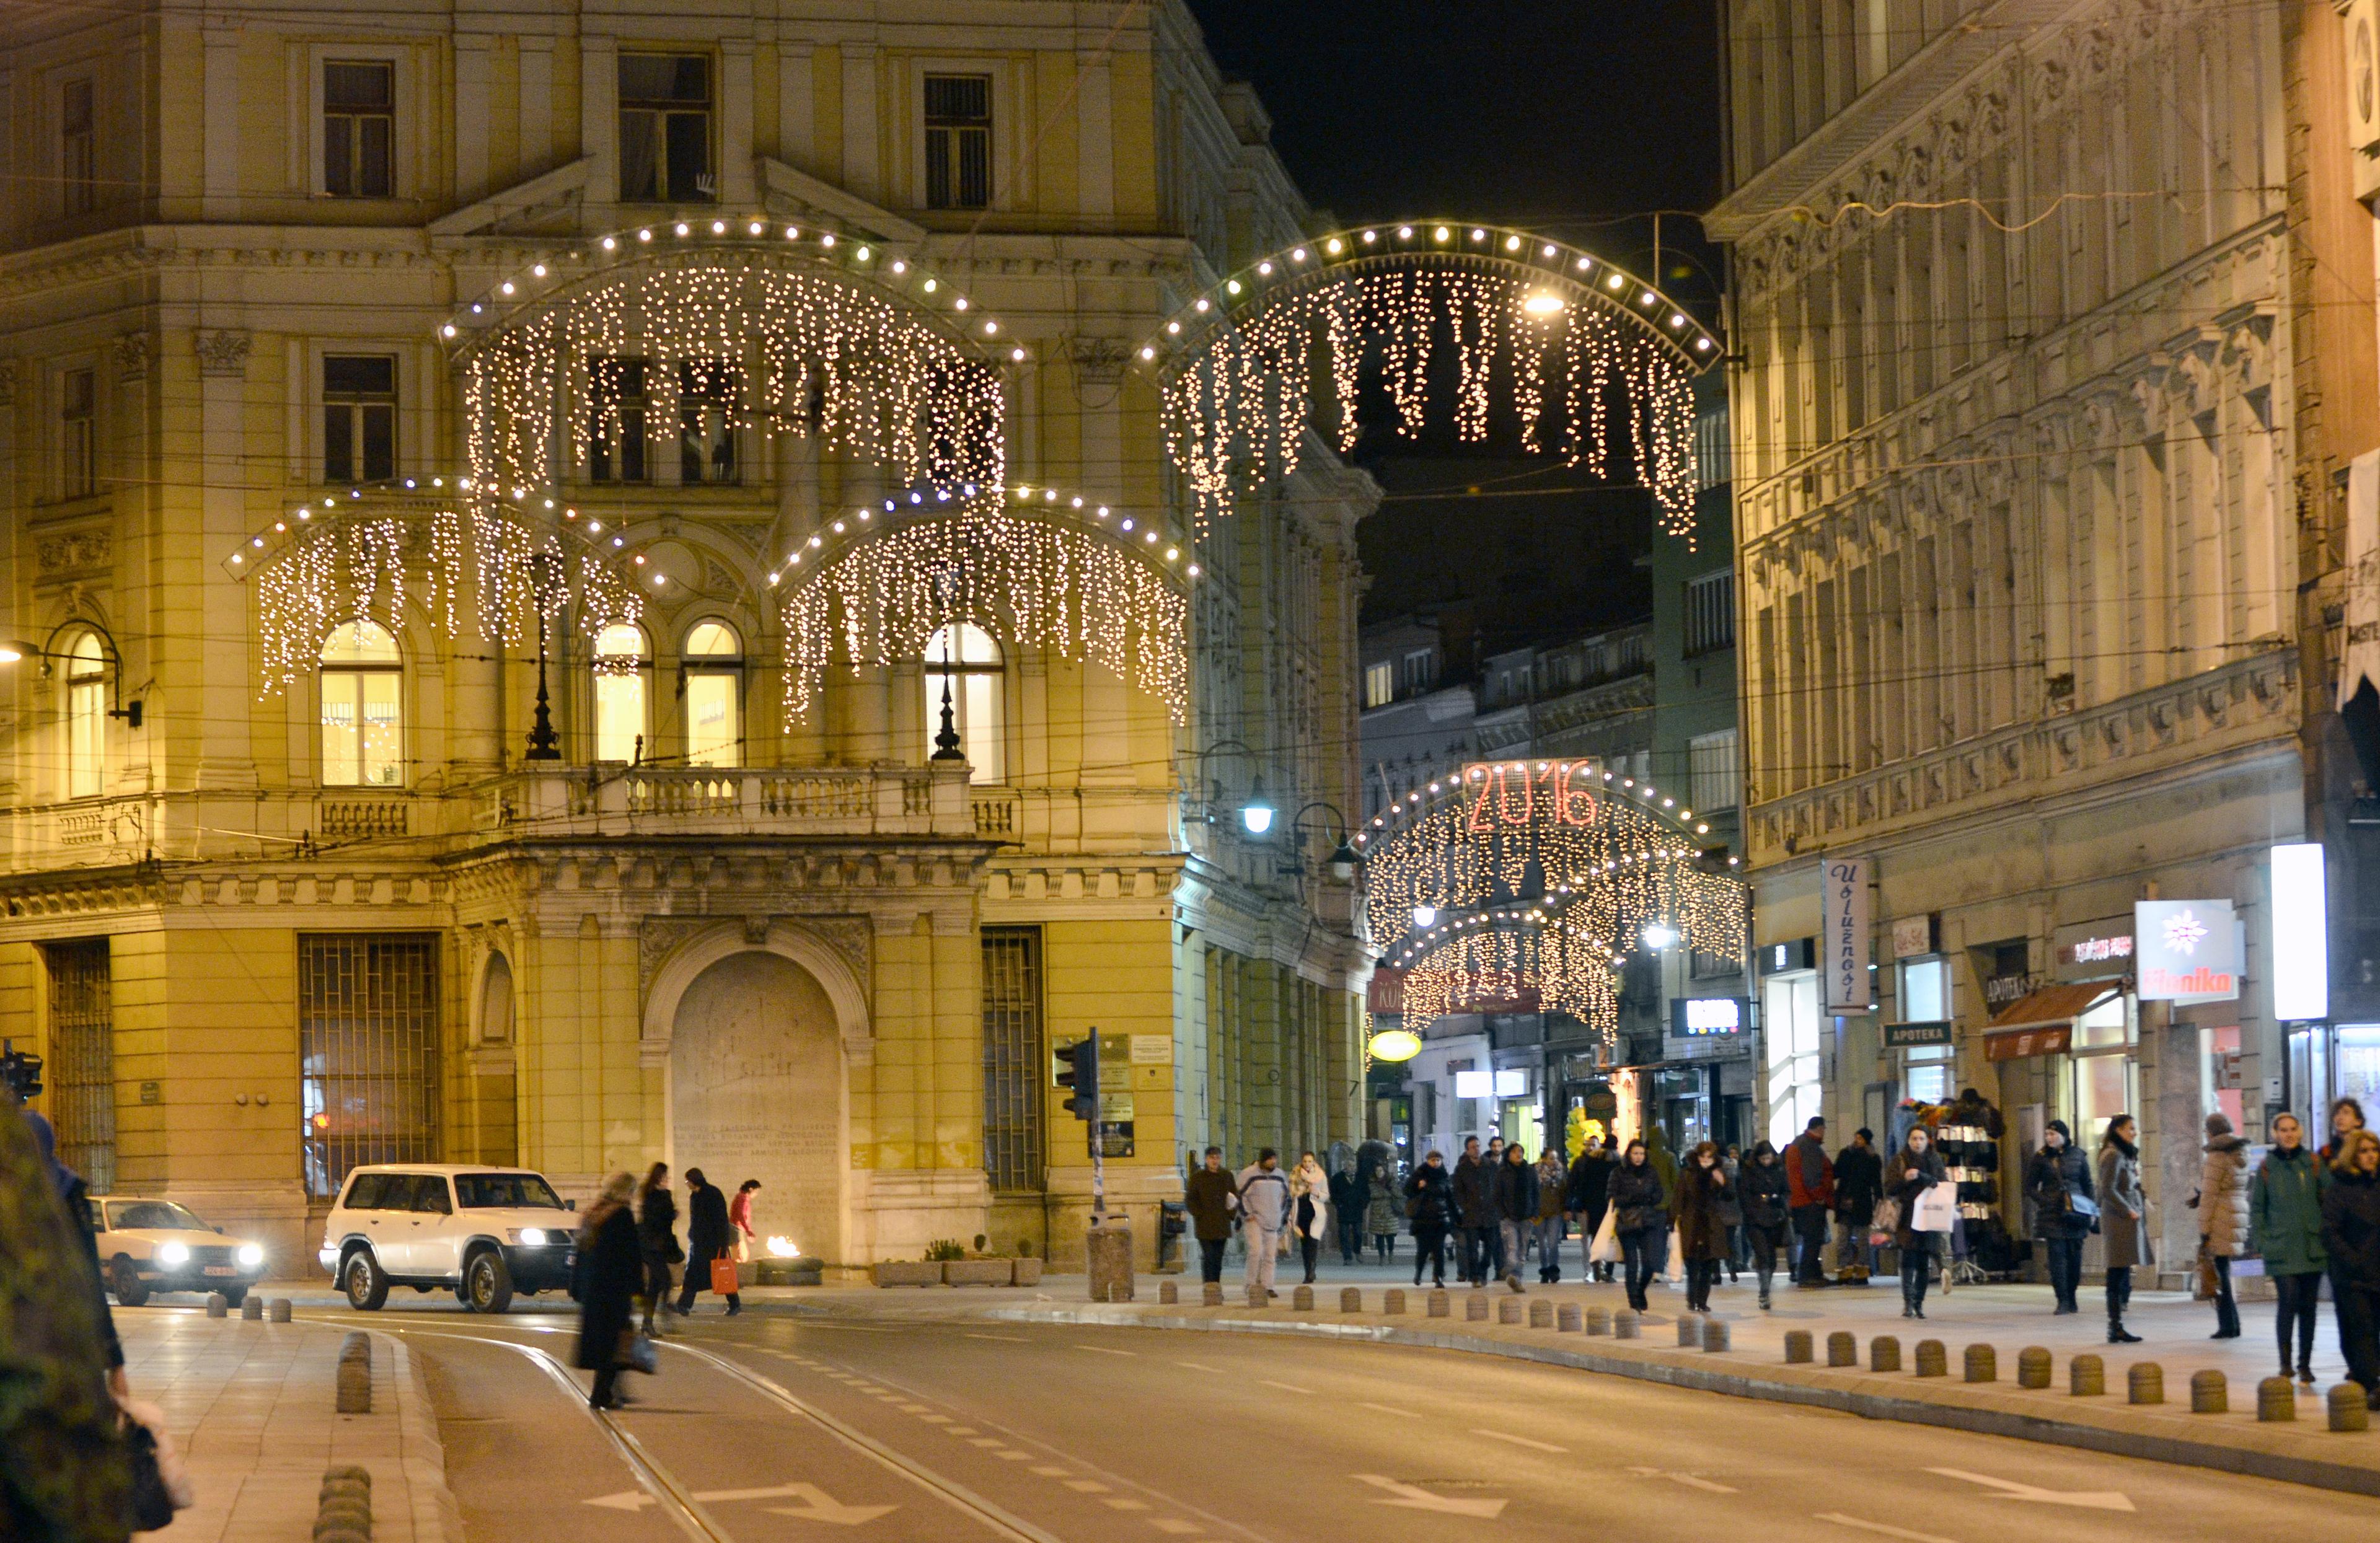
x=294 y=877
x=2034 y=396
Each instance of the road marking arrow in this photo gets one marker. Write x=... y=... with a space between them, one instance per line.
x=821 y=1507
x=1838 y=1519
x=1413 y=1499
x=1691 y=1480
x=2091 y=1500
x=627 y=1500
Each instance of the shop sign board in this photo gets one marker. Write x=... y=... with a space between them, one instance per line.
x=1905 y=1036
x=1795 y=953
x=2187 y=949
x=2095 y=950
x=1844 y=943
x=1913 y=937
x=2001 y=989
x=2016 y=1044
x=1702 y=1017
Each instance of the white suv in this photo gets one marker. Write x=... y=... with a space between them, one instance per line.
x=481 y=1232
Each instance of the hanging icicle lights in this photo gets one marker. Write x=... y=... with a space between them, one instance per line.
x=1584 y=340
x=1038 y=567
x=761 y=326
x=1494 y=961
x=475 y=566
x=1568 y=832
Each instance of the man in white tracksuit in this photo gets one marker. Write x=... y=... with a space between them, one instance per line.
x=1264 y=1215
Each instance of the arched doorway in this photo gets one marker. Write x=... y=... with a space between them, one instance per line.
x=757 y=1091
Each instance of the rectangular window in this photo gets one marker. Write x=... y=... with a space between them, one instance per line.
x=358 y=418
x=83 y=1059
x=359 y=131
x=1420 y=671
x=1925 y=999
x=1714 y=776
x=368 y=1051
x=1013 y=1058
x=362 y=728
x=1380 y=684
x=665 y=129
x=1710 y=612
x=77 y=434
x=958 y=142
x=1711 y=452
x=615 y=451
x=707 y=411
x=1789 y=1024
x=78 y=148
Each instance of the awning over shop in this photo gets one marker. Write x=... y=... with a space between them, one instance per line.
x=2042 y=1022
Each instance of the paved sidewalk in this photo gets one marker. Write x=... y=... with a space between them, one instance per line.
x=253 y=1406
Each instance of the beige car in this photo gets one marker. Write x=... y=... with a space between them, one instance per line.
x=153 y=1246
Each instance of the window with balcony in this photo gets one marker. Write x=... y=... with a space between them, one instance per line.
x=621 y=673
x=363 y=691
x=958 y=142
x=707 y=411
x=358 y=418
x=78 y=148
x=615 y=449
x=964 y=661
x=665 y=130
x=77 y=434
x=86 y=715
x=1380 y=684
x=712 y=669
x=358 y=130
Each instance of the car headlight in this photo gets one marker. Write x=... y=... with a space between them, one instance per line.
x=173 y=1253
x=533 y=1237
x=251 y=1255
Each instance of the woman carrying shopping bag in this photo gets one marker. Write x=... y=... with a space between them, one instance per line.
x=1915 y=1171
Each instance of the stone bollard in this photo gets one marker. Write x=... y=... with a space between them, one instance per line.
x=1690 y=1330
x=1167 y=1295
x=1568 y=1319
x=2146 y=1382
x=1884 y=1354
x=1302 y=1300
x=2209 y=1393
x=1799 y=1351
x=1541 y=1314
x=1598 y=1321
x=355 y=1375
x=1440 y=1304
x=2276 y=1399
x=1715 y=1333
x=1211 y=1295
x=1983 y=1364
x=251 y=1309
x=1258 y=1296
x=1933 y=1360
x=1624 y=1325
x=278 y=1310
x=1351 y=1300
x=2086 y=1377
x=1393 y=1303
x=1474 y=1308
x=217 y=1305
x=1508 y=1309
x=2347 y=1409
x=2033 y=1366
x=1842 y=1348
x=343 y=1507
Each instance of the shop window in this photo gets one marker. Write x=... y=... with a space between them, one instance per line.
x=2106 y=1077
x=367 y=1053
x=712 y=668
x=78 y=148
x=616 y=444
x=2356 y=1065
x=363 y=689
x=622 y=683
x=1791 y=1020
x=707 y=411
x=77 y=434
x=358 y=130
x=86 y=715
x=958 y=142
x=665 y=130
x=1013 y=1058
x=1925 y=999
x=967 y=660
x=358 y=418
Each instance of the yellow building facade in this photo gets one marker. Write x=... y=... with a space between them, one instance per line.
x=294 y=881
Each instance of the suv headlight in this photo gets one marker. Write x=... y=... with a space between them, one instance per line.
x=173 y=1253
x=533 y=1237
x=251 y=1255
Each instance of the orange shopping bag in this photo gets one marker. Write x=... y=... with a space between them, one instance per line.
x=723 y=1277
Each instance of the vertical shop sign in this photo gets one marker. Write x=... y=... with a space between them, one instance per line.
x=1846 y=939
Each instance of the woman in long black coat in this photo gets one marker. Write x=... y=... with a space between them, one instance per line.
x=611 y=1272
x=657 y=1233
x=708 y=1237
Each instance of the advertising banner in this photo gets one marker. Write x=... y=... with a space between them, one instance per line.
x=1844 y=943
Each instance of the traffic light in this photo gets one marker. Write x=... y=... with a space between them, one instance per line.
x=1081 y=1076
x=20 y=1071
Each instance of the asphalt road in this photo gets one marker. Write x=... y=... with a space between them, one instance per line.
x=782 y=1427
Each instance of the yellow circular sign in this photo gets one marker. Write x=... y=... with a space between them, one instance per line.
x=1395 y=1044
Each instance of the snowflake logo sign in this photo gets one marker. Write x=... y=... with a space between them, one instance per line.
x=2184 y=933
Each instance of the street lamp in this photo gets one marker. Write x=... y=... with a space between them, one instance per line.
x=1660 y=935
x=1257 y=814
x=1343 y=857
x=15 y=651
x=1424 y=917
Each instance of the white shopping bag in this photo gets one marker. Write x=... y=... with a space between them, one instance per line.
x=1937 y=1209
x=1677 y=1270
x=1606 y=1248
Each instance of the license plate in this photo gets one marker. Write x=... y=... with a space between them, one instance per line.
x=221 y=1269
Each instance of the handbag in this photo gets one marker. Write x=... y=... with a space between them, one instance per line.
x=723 y=1279
x=1885 y=1223
x=150 y=1505
x=1606 y=1248
x=637 y=1352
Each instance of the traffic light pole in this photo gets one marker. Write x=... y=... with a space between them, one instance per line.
x=1098 y=1174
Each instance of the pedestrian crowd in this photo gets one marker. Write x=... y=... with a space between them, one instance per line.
x=629 y=1253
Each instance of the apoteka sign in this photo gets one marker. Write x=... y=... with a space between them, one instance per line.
x=2186 y=949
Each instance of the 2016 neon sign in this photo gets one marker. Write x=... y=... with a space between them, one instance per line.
x=1506 y=794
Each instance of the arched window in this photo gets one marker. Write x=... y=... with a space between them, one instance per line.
x=85 y=716
x=712 y=665
x=620 y=667
x=966 y=659
x=363 y=687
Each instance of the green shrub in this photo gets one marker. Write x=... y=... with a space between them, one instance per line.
x=944 y=1248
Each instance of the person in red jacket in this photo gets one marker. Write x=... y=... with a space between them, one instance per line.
x=1810 y=1182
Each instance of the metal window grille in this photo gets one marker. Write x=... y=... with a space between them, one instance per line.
x=958 y=142
x=368 y=1050
x=1015 y=1061
x=82 y=1060
x=1710 y=612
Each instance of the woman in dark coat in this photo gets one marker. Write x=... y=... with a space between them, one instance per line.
x=1384 y=1212
x=2122 y=1205
x=2284 y=1225
x=611 y=1272
x=1767 y=1199
x=1641 y=1220
x=657 y=1236
x=1913 y=1169
x=2054 y=1180
x=2350 y=1236
x=1430 y=1204
x=1589 y=1196
x=708 y=1237
x=1702 y=1225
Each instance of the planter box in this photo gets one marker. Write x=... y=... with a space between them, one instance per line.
x=907 y=1272
x=788 y=1272
x=975 y=1272
x=1024 y=1273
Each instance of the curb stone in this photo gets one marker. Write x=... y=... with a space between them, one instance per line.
x=436 y=1514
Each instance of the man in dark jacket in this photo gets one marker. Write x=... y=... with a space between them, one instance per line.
x=708 y=1237
x=1810 y=1180
x=1589 y=1197
x=1515 y=1189
x=1348 y=1198
x=1211 y=1197
x=1859 y=1184
x=1475 y=1198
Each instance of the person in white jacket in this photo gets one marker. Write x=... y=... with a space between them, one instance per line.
x=1265 y=1211
x=1310 y=1191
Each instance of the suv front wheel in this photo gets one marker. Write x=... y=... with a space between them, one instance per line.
x=365 y=1281
x=487 y=1283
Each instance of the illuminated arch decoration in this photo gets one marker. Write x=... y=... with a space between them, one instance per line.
x=477 y=567
x=1558 y=959
x=1581 y=341
x=1056 y=573
x=877 y=355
